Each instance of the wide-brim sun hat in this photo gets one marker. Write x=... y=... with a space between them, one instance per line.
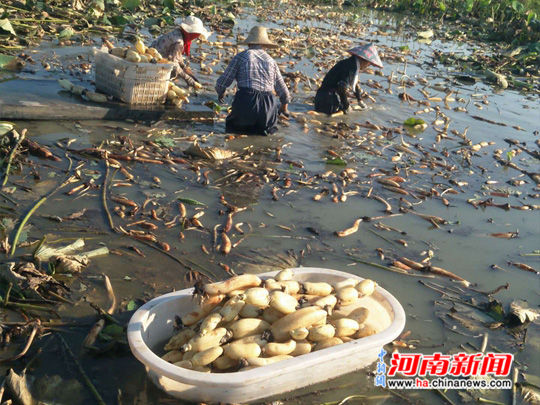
x=258 y=35
x=367 y=52
x=193 y=25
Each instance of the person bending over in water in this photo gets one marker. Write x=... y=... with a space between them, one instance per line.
x=331 y=97
x=255 y=110
x=176 y=43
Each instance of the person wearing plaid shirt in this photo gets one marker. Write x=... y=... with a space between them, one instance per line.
x=331 y=97
x=255 y=110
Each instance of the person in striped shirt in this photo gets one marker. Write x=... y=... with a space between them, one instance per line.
x=255 y=110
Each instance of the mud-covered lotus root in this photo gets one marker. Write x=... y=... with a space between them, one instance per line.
x=240 y=324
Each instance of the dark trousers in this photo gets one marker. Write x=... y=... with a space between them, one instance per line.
x=253 y=113
x=327 y=101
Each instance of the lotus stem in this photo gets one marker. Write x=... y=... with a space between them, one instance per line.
x=391 y=242
x=2 y=389
x=377 y=265
x=515 y=376
x=28 y=344
x=12 y=155
x=29 y=307
x=85 y=377
x=484 y=343
x=23 y=223
x=45 y=19
x=35 y=207
x=6 y=299
x=489 y=401
x=104 y=196
x=110 y=294
x=444 y=396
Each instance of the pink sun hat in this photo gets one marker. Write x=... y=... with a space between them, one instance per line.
x=367 y=52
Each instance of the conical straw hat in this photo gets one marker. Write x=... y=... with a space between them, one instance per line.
x=259 y=36
x=367 y=52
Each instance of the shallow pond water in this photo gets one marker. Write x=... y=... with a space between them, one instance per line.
x=280 y=227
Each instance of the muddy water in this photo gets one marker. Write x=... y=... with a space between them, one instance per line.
x=464 y=246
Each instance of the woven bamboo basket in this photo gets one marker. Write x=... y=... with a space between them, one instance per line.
x=132 y=83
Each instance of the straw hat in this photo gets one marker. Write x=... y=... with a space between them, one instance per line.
x=259 y=36
x=193 y=25
x=367 y=52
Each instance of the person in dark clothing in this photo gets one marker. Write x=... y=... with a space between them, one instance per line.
x=255 y=110
x=331 y=97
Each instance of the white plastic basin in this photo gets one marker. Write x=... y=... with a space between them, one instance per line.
x=152 y=325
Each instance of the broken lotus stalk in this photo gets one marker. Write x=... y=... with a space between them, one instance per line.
x=433 y=269
x=349 y=231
